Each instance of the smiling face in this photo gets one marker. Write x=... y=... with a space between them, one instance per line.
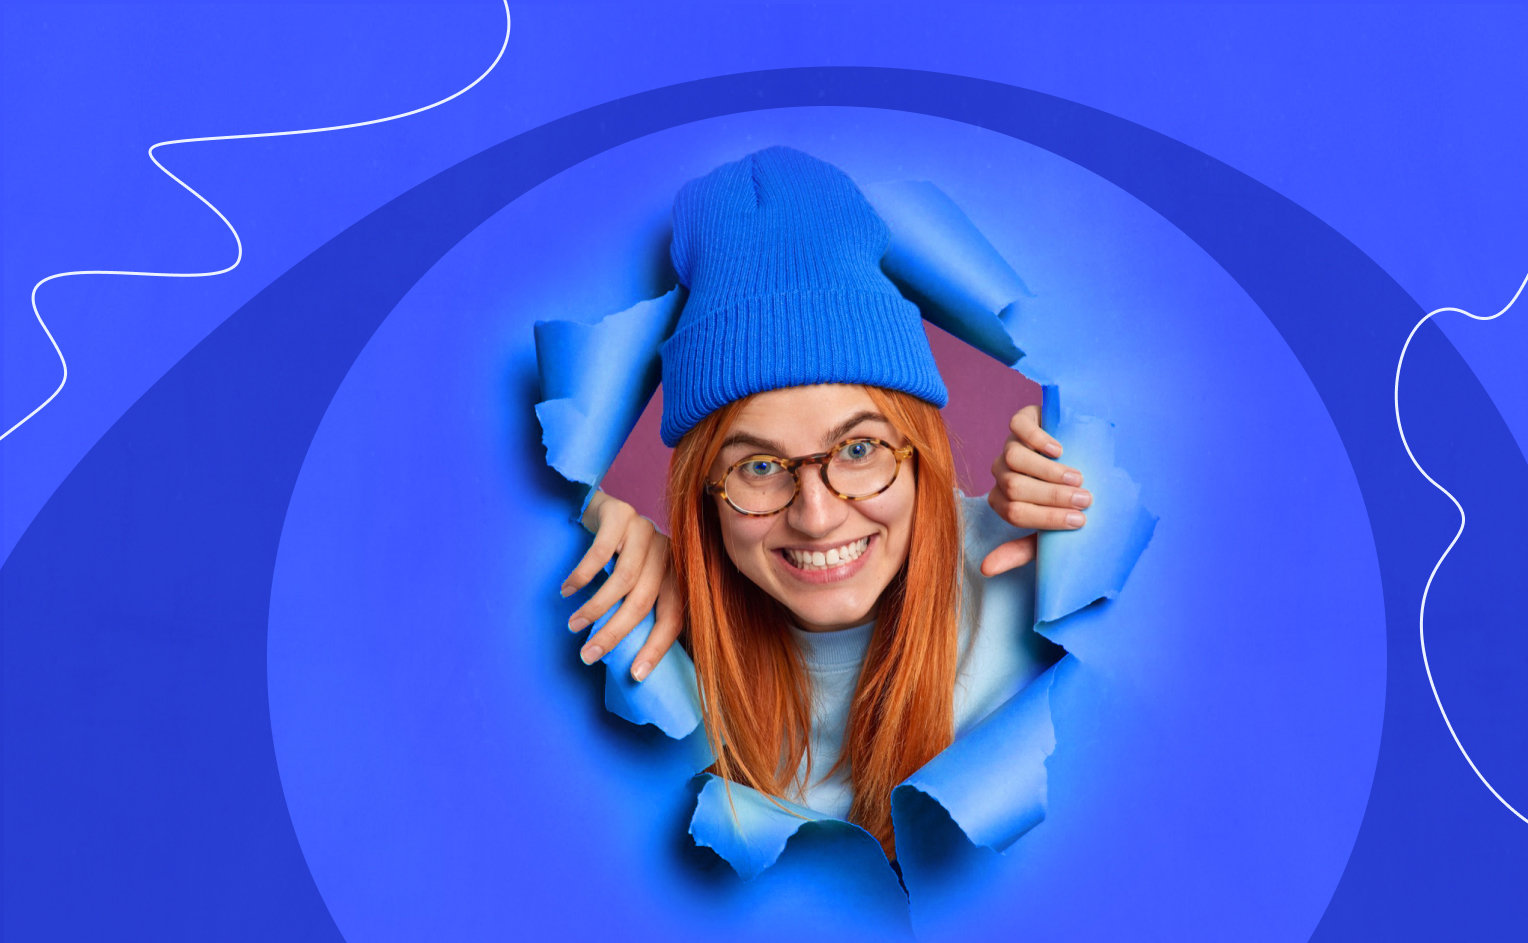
x=868 y=539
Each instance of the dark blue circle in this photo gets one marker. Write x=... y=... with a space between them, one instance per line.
x=157 y=552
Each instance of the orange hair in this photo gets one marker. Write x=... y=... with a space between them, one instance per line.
x=755 y=693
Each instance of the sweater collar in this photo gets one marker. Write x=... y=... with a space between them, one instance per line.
x=827 y=651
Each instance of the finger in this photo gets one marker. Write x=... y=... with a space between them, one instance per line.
x=1009 y=556
x=1025 y=426
x=1029 y=491
x=634 y=607
x=591 y=515
x=622 y=580
x=666 y=628
x=1035 y=516
x=1018 y=457
x=614 y=523
x=593 y=561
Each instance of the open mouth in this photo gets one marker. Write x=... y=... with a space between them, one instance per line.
x=822 y=561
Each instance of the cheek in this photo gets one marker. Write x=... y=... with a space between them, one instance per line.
x=903 y=531
x=743 y=539
x=896 y=514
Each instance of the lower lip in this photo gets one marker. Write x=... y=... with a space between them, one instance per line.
x=832 y=574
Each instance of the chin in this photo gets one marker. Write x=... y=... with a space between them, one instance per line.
x=829 y=618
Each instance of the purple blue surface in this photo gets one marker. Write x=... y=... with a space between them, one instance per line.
x=282 y=655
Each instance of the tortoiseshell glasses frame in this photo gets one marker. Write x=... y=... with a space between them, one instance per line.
x=822 y=460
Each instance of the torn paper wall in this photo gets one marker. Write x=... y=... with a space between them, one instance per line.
x=938 y=258
x=749 y=830
x=669 y=698
x=991 y=780
x=595 y=379
x=1080 y=567
x=991 y=783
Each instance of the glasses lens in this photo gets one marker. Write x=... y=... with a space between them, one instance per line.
x=862 y=467
x=760 y=485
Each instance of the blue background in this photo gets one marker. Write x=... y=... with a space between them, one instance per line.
x=155 y=776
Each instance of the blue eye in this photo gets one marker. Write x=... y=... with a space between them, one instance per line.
x=761 y=468
x=857 y=451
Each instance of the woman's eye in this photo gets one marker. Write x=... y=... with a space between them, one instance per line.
x=857 y=451
x=761 y=468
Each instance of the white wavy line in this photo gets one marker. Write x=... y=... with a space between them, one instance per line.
x=1422 y=614
x=238 y=243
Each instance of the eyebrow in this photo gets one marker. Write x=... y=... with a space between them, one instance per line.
x=832 y=436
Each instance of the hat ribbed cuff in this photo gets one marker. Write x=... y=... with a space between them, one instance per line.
x=731 y=348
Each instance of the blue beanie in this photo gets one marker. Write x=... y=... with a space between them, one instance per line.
x=781 y=255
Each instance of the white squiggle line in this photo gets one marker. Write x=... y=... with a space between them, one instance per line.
x=1422 y=614
x=238 y=243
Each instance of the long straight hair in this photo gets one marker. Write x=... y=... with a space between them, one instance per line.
x=755 y=691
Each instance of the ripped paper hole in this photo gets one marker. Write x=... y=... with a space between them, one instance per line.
x=991 y=782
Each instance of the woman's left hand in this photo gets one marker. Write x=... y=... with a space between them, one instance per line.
x=641 y=582
x=1032 y=491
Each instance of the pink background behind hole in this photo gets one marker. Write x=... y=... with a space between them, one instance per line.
x=983 y=395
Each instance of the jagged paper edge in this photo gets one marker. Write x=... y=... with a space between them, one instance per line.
x=755 y=838
x=939 y=258
x=595 y=381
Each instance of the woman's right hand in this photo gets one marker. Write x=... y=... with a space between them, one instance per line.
x=1032 y=490
x=641 y=582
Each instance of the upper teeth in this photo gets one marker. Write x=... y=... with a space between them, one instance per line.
x=822 y=559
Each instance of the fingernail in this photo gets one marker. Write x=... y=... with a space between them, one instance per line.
x=591 y=654
x=567 y=590
x=1081 y=499
x=1070 y=478
x=577 y=624
x=640 y=670
x=1053 y=448
x=1073 y=519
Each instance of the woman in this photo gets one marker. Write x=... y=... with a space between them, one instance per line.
x=816 y=563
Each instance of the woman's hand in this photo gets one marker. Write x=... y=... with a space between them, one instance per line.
x=640 y=581
x=1032 y=491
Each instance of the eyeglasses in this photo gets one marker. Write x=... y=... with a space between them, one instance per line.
x=854 y=469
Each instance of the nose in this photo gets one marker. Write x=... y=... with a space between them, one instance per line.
x=817 y=511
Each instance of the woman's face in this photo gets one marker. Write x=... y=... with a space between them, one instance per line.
x=804 y=420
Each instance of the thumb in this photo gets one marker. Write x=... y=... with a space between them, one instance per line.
x=1008 y=556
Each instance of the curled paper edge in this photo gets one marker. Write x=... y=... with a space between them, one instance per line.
x=755 y=838
x=963 y=285
x=668 y=698
x=1078 y=568
x=992 y=783
x=939 y=259
x=595 y=380
x=598 y=377
x=992 y=779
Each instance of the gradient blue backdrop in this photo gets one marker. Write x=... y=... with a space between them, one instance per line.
x=141 y=775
